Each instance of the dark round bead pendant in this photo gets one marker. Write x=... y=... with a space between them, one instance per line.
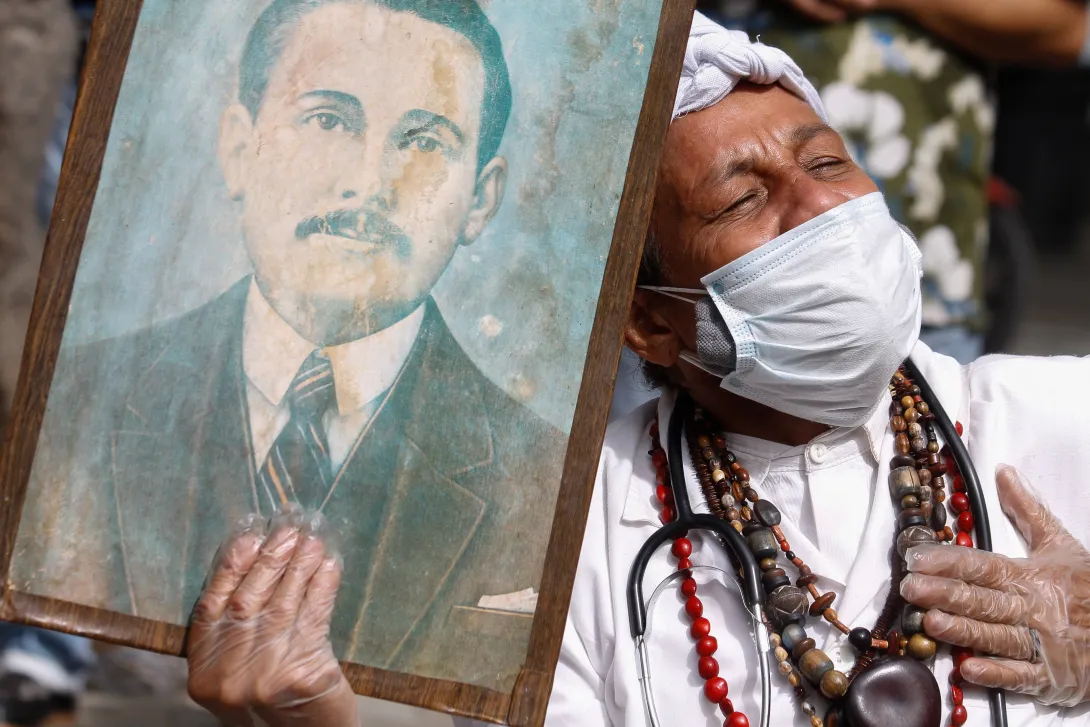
x=766 y=512
x=860 y=639
x=894 y=691
x=787 y=605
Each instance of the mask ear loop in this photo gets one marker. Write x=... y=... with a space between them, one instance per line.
x=757 y=634
x=673 y=292
x=694 y=360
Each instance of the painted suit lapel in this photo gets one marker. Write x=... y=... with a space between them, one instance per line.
x=442 y=435
x=183 y=474
x=180 y=459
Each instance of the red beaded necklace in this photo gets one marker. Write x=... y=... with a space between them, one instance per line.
x=715 y=686
x=917 y=482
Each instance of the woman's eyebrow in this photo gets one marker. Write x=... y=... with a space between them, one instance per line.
x=807 y=132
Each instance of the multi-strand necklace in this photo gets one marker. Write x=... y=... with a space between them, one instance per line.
x=886 y=657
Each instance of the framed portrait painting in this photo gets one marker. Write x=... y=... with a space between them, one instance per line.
x=364 y=257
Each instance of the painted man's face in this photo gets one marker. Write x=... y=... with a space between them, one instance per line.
x=359 y=176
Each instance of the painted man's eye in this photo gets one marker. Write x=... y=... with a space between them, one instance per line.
x=425 y=144
x=327 y=121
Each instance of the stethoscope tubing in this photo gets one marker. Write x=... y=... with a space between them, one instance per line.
x=752 y=591
x=685 y=521
x=982 y=525
x=643 y=660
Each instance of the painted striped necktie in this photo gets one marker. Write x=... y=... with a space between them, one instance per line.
x=297 y=468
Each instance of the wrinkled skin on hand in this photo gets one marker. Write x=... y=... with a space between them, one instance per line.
x=988 y=602
x=258 y=645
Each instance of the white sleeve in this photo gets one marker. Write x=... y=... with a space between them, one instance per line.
x=1022 y=414
x=578 y=698
x=579 y=685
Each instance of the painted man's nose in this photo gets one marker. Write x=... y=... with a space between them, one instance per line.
x=381 y=197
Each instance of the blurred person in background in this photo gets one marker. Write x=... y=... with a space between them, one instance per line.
x=906 y=83
x=41 y=672
x=1041 y=148
x=38 y=47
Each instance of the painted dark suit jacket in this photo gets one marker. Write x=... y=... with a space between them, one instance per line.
x=446 y=498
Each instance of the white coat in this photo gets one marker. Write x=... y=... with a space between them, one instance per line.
x=1033 y=413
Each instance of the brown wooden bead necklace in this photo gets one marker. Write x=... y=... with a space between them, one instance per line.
x=917 y=483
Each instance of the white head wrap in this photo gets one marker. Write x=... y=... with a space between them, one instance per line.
x=717 y=59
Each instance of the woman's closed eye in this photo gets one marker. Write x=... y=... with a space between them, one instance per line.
x=826 y=166
x=741 y=205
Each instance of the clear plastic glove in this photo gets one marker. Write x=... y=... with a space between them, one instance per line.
x=1033 y=613
x=258 y=648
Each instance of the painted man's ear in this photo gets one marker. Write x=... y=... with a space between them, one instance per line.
x=491 y=183
x=236 y=135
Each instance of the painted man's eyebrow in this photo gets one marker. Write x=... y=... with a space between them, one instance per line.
x=339 y=98
x=421 y=120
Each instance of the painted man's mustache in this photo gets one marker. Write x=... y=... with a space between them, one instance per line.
x=356 y=225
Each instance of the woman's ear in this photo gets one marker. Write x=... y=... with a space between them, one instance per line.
x=648 y=333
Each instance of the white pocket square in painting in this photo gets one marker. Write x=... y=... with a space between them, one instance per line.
x=524 y=601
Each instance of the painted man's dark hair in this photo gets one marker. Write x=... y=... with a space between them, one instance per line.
x=271 y=32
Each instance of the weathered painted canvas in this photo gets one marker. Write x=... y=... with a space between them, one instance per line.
x=345 y=254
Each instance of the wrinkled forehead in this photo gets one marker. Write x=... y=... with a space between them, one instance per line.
x=392 y=61
x=752 y=123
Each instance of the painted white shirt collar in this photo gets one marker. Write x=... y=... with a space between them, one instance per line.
x=272 y=352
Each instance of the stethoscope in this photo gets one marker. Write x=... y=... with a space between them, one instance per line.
x=750 y=582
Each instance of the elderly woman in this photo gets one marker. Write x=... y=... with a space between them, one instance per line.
x=779 y=307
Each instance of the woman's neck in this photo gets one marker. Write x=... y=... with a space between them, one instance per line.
x=739 y=415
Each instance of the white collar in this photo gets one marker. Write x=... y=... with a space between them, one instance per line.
x=272 y=352
x=874 y=429
x=639 y=508
x=877 y=427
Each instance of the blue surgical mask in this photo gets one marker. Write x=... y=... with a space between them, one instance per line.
x=815 y=322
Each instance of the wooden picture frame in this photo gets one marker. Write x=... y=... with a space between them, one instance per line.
x=525 y=704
